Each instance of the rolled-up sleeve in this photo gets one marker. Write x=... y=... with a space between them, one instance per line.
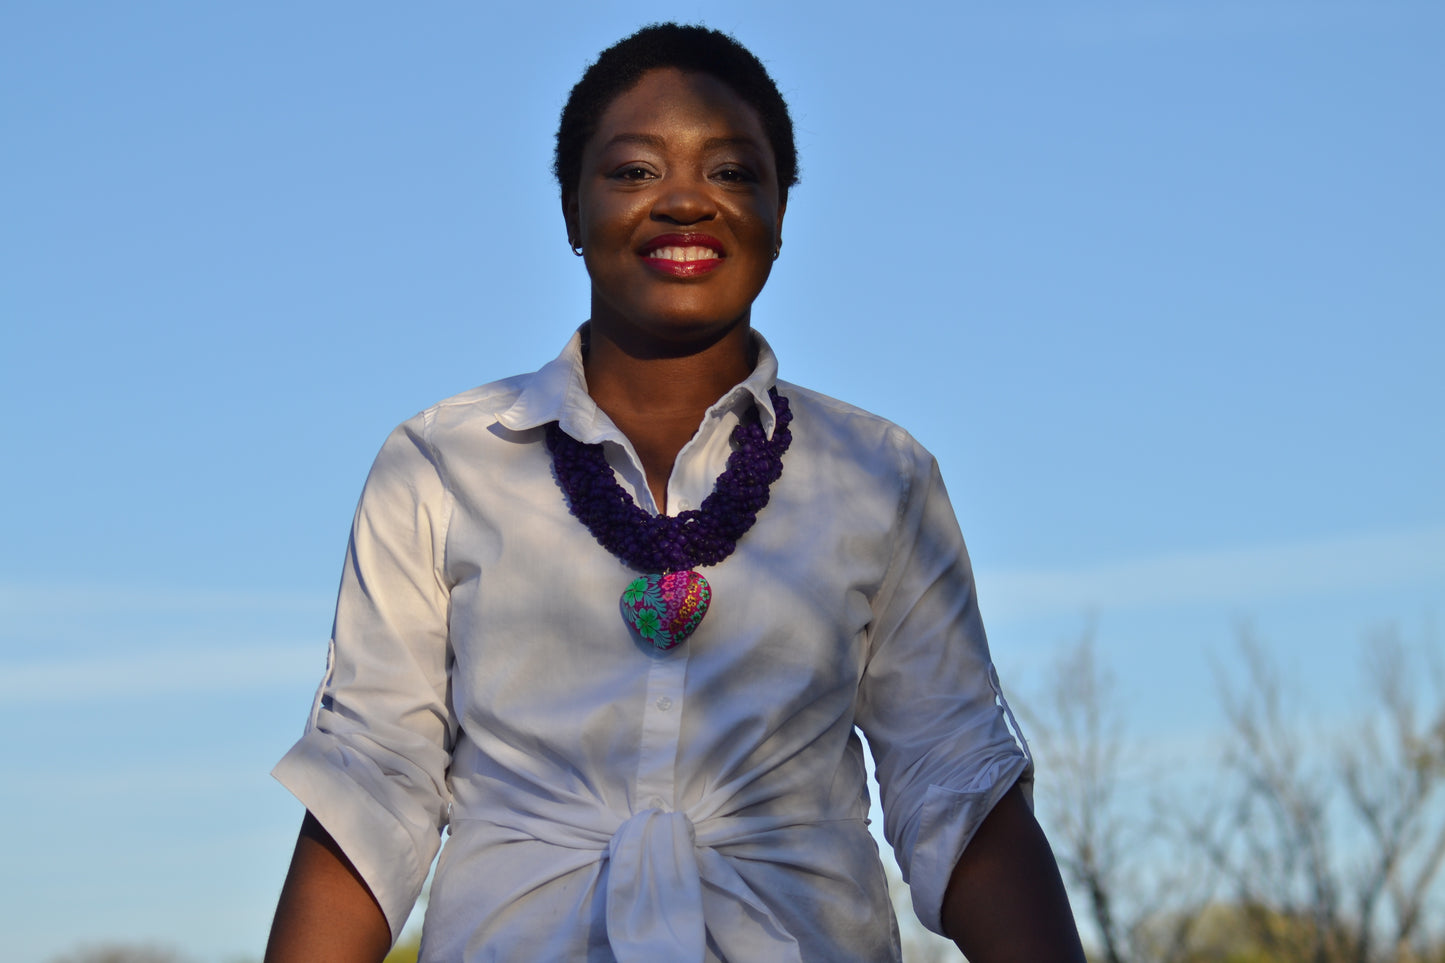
x=930 y=702
x=372 y=764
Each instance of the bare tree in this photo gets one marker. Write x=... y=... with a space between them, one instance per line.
x=1331 y=849
x=1393 y=774
x=1081 y=743
x=1300 y=846
x=1109 y=837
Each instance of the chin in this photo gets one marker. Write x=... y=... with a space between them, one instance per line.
x=672 y=333
x=686 y=331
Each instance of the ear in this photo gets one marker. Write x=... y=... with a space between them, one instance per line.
x=778 y=231
x=571 y=218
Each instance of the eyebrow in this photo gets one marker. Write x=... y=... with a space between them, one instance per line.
x=655 y=141
x=646 y=140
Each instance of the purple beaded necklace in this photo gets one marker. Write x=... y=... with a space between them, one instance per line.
x=667 y=604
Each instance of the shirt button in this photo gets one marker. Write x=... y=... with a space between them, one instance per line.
x=683 y=505
x=656 y=802
x=664 y=703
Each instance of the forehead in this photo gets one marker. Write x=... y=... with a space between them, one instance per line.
x=674 y=103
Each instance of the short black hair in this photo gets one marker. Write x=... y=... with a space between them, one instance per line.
x=685 y=47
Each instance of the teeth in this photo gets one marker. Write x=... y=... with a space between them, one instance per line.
x=683 y=253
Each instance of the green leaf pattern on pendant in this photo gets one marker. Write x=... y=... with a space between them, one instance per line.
x=665 y=608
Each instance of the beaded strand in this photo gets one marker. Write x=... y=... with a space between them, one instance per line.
x=674 y=543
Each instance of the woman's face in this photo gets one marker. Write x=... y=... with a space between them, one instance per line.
x=678 y=210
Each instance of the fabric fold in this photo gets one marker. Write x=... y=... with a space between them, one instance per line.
x=654 y=890
x=668 y=888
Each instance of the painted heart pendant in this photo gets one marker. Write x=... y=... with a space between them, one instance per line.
x=666 y=608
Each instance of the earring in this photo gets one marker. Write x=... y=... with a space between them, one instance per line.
x=576 y=248
x=777 y=250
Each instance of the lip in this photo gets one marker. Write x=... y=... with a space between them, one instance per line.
x=682 y=269
x=682 y=240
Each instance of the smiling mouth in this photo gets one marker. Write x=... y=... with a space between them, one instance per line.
x=683 y=248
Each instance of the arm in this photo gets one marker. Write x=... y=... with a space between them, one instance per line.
x=371 y=765
x=948 y=764
x=326 y=912
x=1005 y=901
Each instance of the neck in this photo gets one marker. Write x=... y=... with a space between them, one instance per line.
x=651 y=381
x=657 y=397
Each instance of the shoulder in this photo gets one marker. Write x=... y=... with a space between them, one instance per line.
x=462 y=419
x=462 y=425
x=830 y=427
x=480 y=404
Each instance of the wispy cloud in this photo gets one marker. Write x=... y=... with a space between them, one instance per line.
x=37 y=598
x=1233 y=576
x=154 y=673
x=1229 y=576
x=115 y=641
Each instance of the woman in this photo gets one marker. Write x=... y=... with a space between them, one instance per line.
x=614 y=623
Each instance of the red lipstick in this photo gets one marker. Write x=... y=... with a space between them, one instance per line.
x=683 y=255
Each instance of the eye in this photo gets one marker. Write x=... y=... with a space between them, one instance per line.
x=632 y=172
x=735 y=174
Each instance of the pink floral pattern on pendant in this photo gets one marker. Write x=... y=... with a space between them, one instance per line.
x=666 y=608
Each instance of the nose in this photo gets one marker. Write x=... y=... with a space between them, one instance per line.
x=683 y=200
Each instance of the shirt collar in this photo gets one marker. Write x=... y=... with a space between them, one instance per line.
x=558 y=392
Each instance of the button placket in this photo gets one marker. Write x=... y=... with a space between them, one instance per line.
x=661 y=731
x=698 y=464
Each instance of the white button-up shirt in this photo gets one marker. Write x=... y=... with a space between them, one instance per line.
x=610 y=801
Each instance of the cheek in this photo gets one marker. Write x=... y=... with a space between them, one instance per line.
x=761 y=218
x=610 y=217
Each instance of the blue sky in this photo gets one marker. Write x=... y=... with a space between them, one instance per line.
x=1162 y=284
